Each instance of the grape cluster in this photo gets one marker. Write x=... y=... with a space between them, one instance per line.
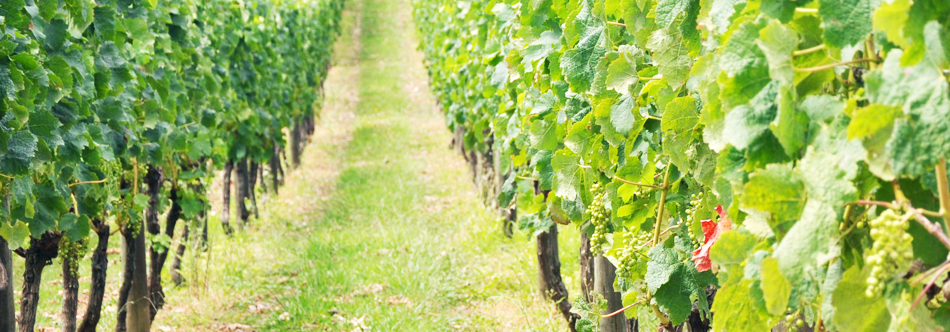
x=695 y=200
x=632 y=254
x=641 y=191
x=891 y=251
x=599 y=216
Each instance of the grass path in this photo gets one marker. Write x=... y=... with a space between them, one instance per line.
x=379 y=228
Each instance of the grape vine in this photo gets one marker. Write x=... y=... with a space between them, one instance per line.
x=818 y=126
x=95 y=94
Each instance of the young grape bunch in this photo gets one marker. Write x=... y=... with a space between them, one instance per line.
x=599 y=216
x=695 y=200
x=891 y=252
x=633 y=252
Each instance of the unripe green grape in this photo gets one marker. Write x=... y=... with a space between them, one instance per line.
x=891 y=252
x=599 y=216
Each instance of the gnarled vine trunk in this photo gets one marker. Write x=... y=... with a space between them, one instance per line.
x=252 y=183
x=137 y=302
x=159 y=255
x=274 y=167
x=604 y=275
x=70 y=293
x=242 y=190
x=175 y=269
x=7 y=302
x=260 y=176
x=40 y=254
x=97 y=289
x=136 y=312
x=586 y=259
x=549 y=272
x=226 y=201
x=295 y=144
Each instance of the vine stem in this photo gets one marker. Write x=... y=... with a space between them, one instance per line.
x=638 y=184
x=809 y=50
x=135 y=176
x=75 y=203
x=832 y=65
x=667 y=230
x=806 y=10
x=893 y=206
x=525 y=178
x=939 y=271
x=933 y=228
x=621 y=310
x=656 y=238
x=617 y=24
x=659 y=215
x=88 y=182
x=943 y=190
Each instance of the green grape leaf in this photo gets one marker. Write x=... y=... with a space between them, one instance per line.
x=580 y=137
x=622 y=73
x=891 y=18
x=735 y=310
x=732 y=248
x=668 y=10
x=661 y=266
x=747 y=123
x=56 y=32
x=855 y=311
x=579 y=64
x=674 y=283
x=679 y=124
x=810 y=237
x=820 y=108
x=671 y=57
x=44 y=125
x=791 y=125
x=846 y=22
x=20 y=151
x=783 y=10
x=26 y=60
x=543 y=135
x=775 y=288
x=824 y=181
x=777 y=189
x=568 y=175
x=17 y=235
x=621 y=116
x=917 y=140
x=778 y=42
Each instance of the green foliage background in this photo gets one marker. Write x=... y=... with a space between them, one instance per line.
x=93 y=91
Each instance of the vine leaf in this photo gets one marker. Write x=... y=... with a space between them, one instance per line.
x=735 y=309
x=672 y=58
x=846 y=22
x=16 y=235
x=732 y=248
x=580 y=63
x=855 y=311
x=775 y=288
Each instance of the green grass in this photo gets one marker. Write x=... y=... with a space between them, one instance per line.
x=379 y=226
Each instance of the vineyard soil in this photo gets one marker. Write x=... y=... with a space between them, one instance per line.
x=378 y=228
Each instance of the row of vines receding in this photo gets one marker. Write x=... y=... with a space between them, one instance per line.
x=116 y=114
x=733 y=165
